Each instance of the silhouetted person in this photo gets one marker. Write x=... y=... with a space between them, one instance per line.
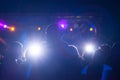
x=62 y=62
x=3 y=49
x=114 y=61
x=96 y=67
x=10 y=69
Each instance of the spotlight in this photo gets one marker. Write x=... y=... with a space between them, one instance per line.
x=71 y=29
x=35 y=50
x=62 y=24
x=12 y=29
x=90 y=48
x=39 y=28
x=91 y=29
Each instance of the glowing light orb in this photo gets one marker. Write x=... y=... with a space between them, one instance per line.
x=12 y=29
x=91 y=29
x=39 y=28
x=71 y=29
x=35 y=50
x=5 y=26
x=62 y=24
x=90 y=48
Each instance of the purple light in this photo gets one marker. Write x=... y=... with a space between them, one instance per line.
x=1 y=24
x=62 y=24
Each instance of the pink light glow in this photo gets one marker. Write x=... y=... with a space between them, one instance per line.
x=62 y=24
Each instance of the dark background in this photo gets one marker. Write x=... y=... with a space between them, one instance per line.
x=23 y=12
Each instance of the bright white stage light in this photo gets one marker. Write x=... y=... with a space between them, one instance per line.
x=90 y=48
x=35 y=50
